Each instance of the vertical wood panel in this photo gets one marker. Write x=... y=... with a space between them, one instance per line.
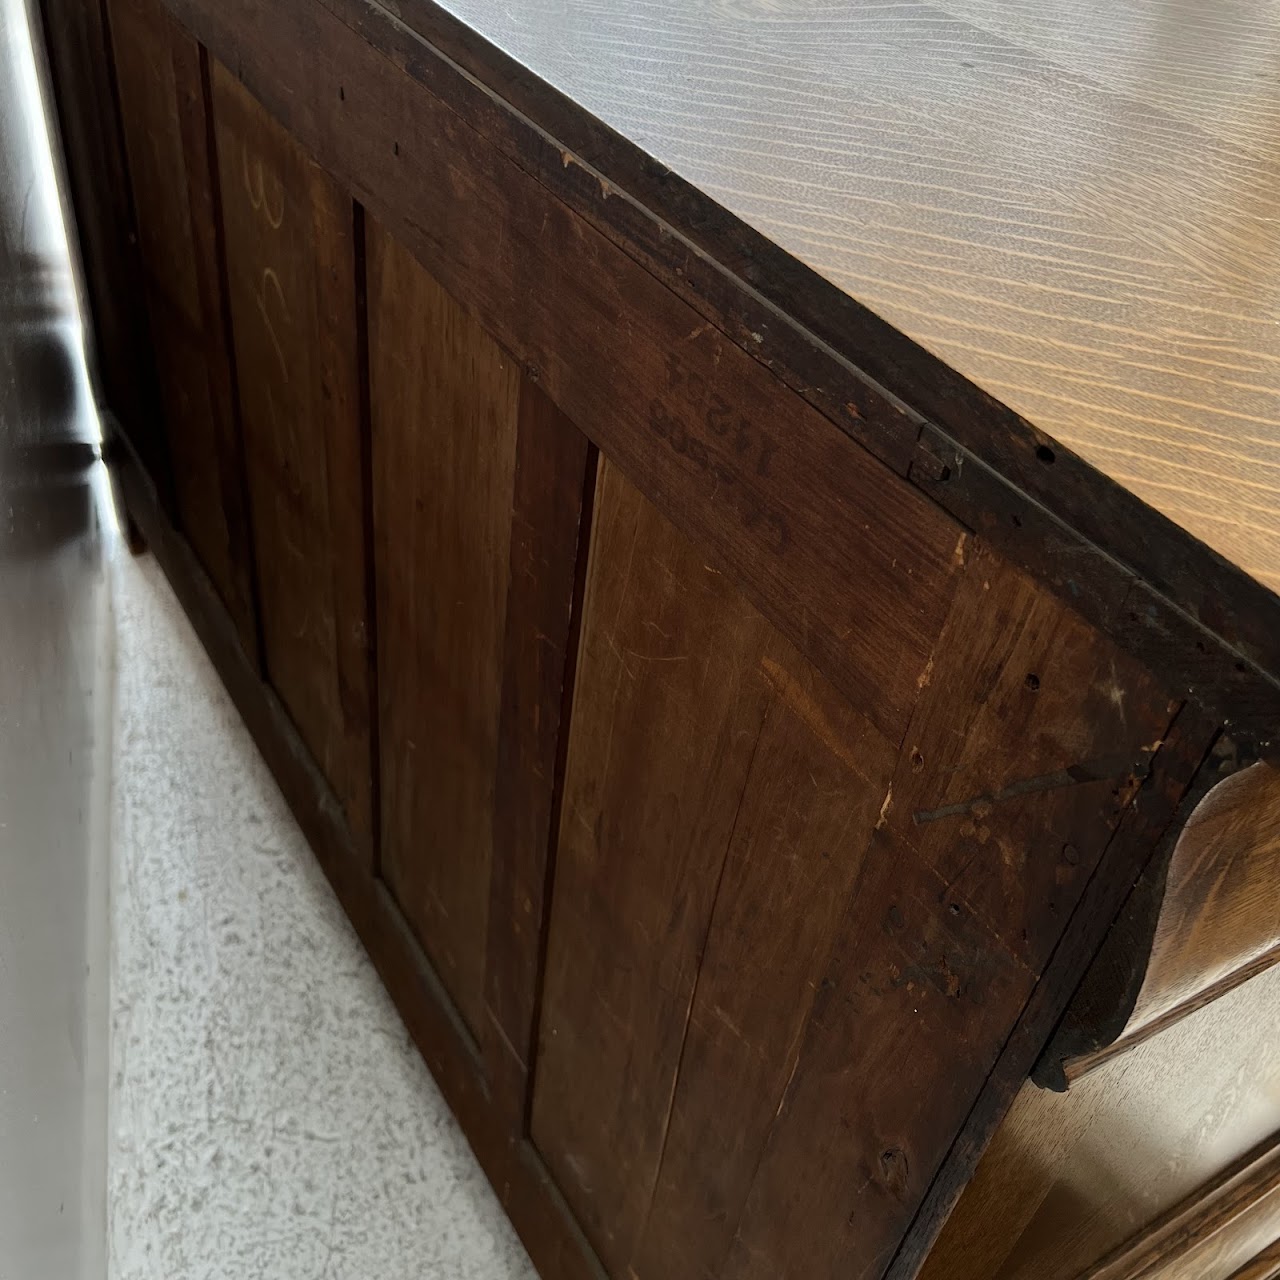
x=445 y=420
x=668 y=706
x=982 y=854
x=554 y=472
x=718 y=800
x=163 y=111
x=1034 y=734
x=817 y=780
x=291 y=278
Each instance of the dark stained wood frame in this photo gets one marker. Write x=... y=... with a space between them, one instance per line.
x=1161 y=595
x=1160 y=592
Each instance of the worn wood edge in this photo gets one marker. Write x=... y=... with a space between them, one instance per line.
x=1074 y=1068
x=510 y=1161
x=1263 y=1266
x=1208 y=1212
x=1160 y=802
x=1237 y=676
x=1092 y=1030
x=860 y=371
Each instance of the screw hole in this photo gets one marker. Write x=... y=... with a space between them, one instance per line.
x=1033 y=682
x=917 y=760
x=1240 y=667
x=1045 y=454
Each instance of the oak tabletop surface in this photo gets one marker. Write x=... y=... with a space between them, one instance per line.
x=1075 y=206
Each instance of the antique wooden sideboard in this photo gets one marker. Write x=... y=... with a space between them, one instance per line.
x=747 y=533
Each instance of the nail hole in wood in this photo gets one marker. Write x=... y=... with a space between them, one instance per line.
x=1032 y=682
x=1045 y=454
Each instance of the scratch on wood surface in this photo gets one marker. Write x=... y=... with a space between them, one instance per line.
x=926 y=675
x=1097 y=770
x=884 y=808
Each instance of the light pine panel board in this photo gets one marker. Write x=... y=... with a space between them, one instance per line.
x=1073 y=206
x=291 y=276
x=163 y=113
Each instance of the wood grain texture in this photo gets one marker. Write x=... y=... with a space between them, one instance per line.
x=1031 y=739
x=163 y=110
x=555 y=473
x=776 y=493
x=669 y=703
x=1131 y=571
x=967 y=890
x=817 y=778
x=1216 y=925
x=1209 y=1235
x=1070 y=1176
x=513 y=1167
x=1004 y=183
x=445 y=403
x=291 y=280
x=1263 y=1266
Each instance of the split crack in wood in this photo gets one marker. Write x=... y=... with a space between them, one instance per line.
x=1097 y=770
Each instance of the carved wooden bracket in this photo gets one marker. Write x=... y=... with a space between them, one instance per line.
x=1204 y=917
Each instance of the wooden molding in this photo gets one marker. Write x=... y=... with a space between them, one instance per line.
x=1230 y=1222
x=1263 y=1266
x=1201 y=921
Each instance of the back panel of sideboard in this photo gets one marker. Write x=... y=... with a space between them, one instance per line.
x=669 y=734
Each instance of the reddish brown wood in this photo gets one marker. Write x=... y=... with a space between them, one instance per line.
x=818 y=776
x=513 y=1167
x=669 y=702
x=839 y=787
x=291 y=280
x=444 y=403
x=554 y=482
x=943 y=941
x=163 y=110
x=772 y=491
x=1030 y=740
